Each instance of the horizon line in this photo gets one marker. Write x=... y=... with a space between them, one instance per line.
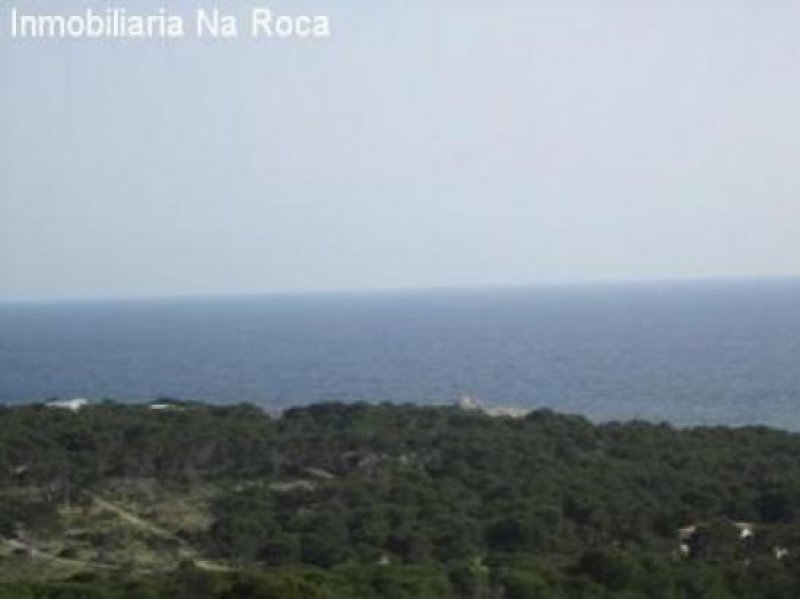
x=400 y=290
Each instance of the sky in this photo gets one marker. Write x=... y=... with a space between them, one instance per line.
x=427 y=143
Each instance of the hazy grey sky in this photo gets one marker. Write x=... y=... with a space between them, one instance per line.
x=428 y=143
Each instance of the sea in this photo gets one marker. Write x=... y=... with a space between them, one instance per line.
x=688 y=353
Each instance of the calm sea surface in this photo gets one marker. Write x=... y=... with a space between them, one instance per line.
x=689 y=353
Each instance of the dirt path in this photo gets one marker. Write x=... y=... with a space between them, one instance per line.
x=135 y=520
x=186 y=551
x=38 y=554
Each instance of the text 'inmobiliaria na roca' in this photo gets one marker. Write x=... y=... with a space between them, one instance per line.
x=121 y=23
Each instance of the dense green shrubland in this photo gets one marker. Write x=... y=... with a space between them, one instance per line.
x=338 y=500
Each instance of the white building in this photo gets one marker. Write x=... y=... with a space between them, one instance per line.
x=69 y=404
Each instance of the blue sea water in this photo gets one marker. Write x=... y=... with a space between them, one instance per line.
x=725 y=352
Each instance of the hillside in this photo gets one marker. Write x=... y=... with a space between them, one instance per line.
x=335 y=500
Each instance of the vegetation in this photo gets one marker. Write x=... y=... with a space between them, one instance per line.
x=361 y=500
